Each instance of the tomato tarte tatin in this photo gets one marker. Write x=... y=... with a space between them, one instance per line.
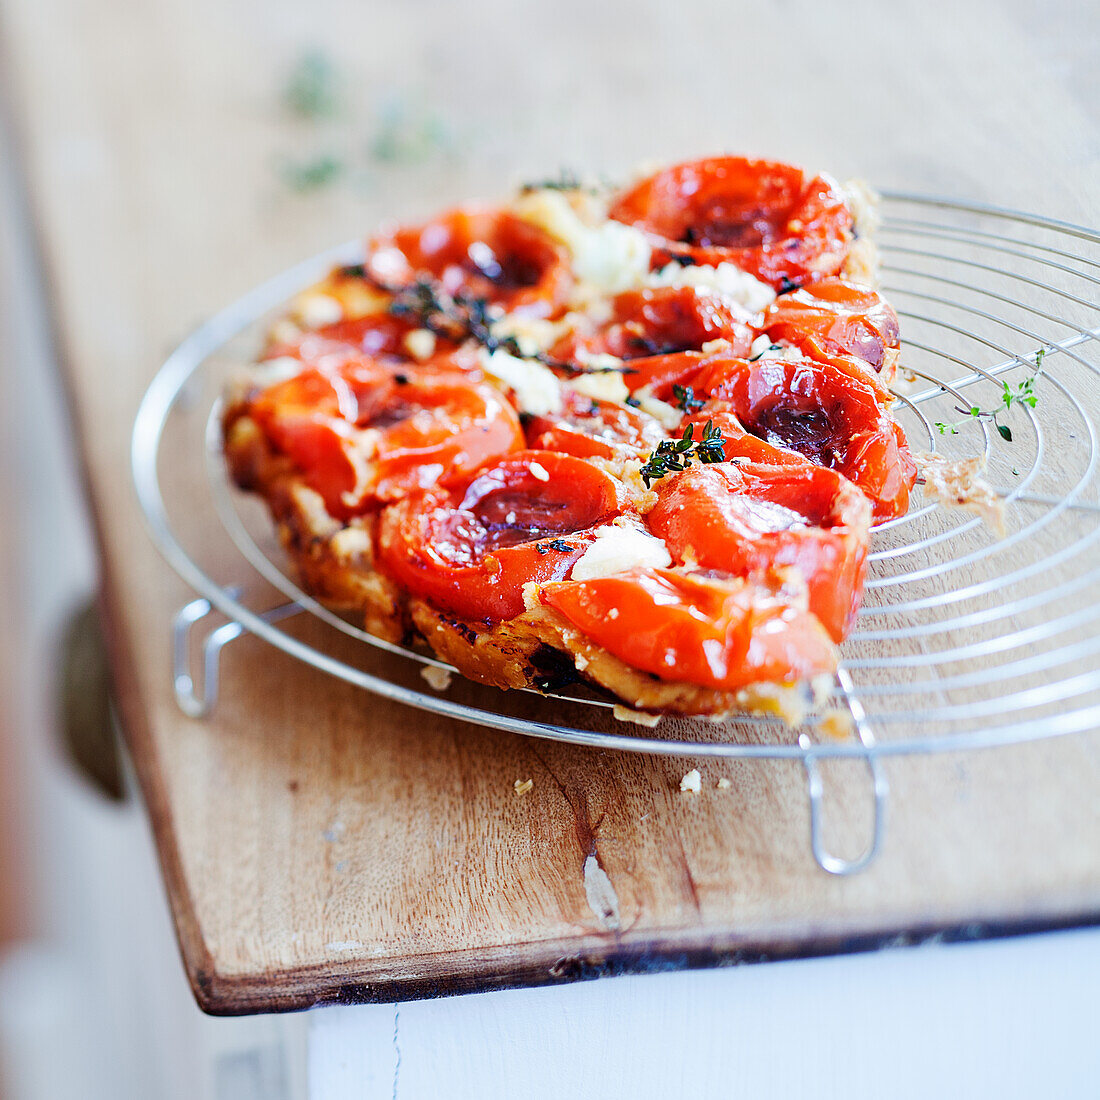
x=636 y=439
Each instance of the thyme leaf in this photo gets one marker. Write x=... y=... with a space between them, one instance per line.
x=686 y=401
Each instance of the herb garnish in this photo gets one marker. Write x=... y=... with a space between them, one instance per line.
x=459 y=317
x=312 y=89
x=673 y=455
x=686 y=401
x=311 y=175
x=1023 y=394
x=763 y=352
x=566 y=180
x=560 y=545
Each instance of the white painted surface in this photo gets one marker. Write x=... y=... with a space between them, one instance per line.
x=1006 y=1019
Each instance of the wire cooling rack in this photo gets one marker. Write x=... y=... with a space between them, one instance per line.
x=968 y=637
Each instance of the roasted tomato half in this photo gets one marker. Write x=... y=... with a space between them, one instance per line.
x=768 y=218
x=718 y=634
x=815 y=409
x=590 y=428
x=361 y=433
x=838 y=318
x=653 y=322
x=527 y=517
x=749 y=519
x=383 y=336
x=488 y=254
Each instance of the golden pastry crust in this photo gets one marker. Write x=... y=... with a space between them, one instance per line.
x=333 y=561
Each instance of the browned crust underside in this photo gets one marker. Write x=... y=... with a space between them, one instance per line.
x=512 y=655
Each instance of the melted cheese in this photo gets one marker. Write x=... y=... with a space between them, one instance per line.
x=537 y=390
x=726 y=280
x=608 y=257
x=619 y=548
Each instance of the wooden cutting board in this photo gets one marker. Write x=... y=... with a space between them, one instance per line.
x=319 y=844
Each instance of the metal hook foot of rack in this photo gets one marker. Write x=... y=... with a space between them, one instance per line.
x=199 y=703
x=833 y=864
x=837 y=865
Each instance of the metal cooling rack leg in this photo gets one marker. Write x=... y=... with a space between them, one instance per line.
x=193 y=703
x=836 y=865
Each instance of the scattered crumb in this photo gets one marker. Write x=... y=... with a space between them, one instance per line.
x=314 y=310
x=959 y=484
x=692 y=782
x=625 y=714
x=723 y=784
x=420 y=343
x=438 y=678
x=522 y=786
x=712 y=347
x=539 y=471
x=836 y=724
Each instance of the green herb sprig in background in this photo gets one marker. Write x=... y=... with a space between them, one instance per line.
x=1022 y=394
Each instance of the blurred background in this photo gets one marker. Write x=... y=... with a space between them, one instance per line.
x=272 y=130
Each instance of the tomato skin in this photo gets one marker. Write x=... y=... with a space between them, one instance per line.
x=815 y=409
x=763 y=216
x=363 y=434
x=837 y=321
x=490 y=254
x=456 y=424
x=658 y=321
x=749 y=519
x=590 y=428
x=718 y=634
x=843 y=316
x=472 y=553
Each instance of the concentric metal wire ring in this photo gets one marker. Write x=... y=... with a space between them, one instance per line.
x=994 y=638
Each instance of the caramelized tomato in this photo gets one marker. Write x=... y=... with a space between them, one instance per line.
x=825 y=415
x=488 y=254
x=749 y=519
x=380 y=335
x=590 y=428
x=652 y=322
x=437 y=428
x=837 y=318
x=527 y=517
x=767 y=218
x=717 y=634
x=363 y=434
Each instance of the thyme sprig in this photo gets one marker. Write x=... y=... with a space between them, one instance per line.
x=560 y=545
x=686 y=401
x=459 y=317
x=565 y=180
x=674 y=455
x=1023 y=393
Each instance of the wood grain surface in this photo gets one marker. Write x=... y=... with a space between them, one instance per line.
x=319 y=844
